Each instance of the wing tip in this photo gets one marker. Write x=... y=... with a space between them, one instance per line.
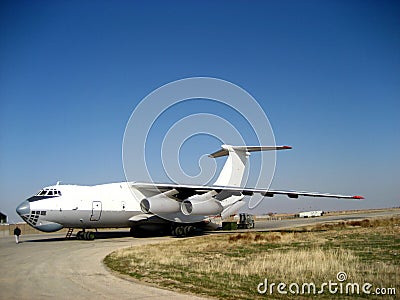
x=358 y=197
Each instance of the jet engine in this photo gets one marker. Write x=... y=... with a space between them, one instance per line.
x=159 y=204
x=231 y=210
x=202 y=205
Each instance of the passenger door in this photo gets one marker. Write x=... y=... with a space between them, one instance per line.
x=96 y=211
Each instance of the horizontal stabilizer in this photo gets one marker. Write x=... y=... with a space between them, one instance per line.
x=225 y=149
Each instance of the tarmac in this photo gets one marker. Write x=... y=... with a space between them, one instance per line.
x=48 y=266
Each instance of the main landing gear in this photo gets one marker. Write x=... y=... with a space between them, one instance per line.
x=85 y=235
x=183 y=231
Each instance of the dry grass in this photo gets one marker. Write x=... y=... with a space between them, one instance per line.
x=231 y=266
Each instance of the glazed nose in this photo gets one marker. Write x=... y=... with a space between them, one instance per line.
x=24 y=208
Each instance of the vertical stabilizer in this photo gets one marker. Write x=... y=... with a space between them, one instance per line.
x=233 y=170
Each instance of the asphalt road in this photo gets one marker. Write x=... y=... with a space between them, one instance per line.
x=47 y=266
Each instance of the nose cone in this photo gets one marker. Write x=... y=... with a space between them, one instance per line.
x=24 y=208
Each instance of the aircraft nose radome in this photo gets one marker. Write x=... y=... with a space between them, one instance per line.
x=24 y=208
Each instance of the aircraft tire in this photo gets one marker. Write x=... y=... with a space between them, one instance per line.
x=188 y=230
x=90 y=235
x=79 y=235
x=180 y=231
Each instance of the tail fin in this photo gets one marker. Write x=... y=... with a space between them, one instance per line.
x=233 y=170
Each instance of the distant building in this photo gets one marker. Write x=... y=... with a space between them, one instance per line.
x=3 y=218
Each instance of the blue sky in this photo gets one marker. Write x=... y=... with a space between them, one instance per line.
x=325 y=72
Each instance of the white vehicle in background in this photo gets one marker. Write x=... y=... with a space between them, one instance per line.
x=310 y=214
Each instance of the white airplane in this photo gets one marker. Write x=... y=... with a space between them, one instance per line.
x=169 y=208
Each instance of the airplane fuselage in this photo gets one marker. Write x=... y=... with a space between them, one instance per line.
x=180 y=207
x=73 y=206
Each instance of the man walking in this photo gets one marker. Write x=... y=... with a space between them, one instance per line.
x=17 y=233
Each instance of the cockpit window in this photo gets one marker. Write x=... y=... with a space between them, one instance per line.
x=45 y=193
x=49 y=192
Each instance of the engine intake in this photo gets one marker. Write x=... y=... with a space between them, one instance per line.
x=159 y=204
x=201 y=207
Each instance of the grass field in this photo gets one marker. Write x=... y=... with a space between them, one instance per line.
x=232 y=266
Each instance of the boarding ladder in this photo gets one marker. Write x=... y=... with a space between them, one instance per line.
x=69 y=233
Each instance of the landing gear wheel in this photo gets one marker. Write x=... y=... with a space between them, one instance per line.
x=180 y=231
x=188 y=230
x=79 y=235
x=85 y=235
x=90 y=235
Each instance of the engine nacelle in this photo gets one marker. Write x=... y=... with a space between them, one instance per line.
x=203 y=205
x=231 y=210
x=159 y=204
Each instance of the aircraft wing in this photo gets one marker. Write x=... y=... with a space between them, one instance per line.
x=185 y=191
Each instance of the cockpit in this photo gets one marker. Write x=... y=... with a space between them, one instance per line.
x=35 y=213
x=49 y=192
x=45 y=194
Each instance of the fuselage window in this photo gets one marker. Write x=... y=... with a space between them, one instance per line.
x=43 y=213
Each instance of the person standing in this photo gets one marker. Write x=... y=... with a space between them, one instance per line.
x=17 y=233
